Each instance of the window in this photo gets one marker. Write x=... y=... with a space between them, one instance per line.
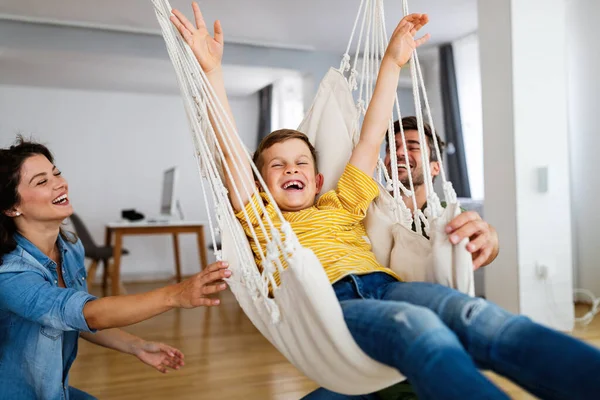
x=468 y=77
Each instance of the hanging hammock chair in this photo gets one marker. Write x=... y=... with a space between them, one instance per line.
x=302 y=317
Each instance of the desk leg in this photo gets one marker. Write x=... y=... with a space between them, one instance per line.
x=202 y=248
x=107 y=234
x=106 y=263
x=177 y=259
x=116 y=269
x=91 y=274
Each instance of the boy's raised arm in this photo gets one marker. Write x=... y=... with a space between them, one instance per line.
x=375 y=124
x=209 y=53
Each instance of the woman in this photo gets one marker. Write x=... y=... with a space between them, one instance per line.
x=44 y=303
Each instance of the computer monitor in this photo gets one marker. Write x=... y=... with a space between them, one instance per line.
x=168 y=201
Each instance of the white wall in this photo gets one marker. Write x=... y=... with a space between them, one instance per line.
x=525 y=127
x=112 y=147
x=584 y=125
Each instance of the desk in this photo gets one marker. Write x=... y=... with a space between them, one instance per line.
x=120 y=229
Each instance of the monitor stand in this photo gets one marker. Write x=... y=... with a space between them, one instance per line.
x=166 y=218
x=179 y=209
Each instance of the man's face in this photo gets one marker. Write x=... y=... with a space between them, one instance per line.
x=412 y=157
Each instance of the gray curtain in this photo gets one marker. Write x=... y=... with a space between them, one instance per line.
x=265 y=99
x=457 y=162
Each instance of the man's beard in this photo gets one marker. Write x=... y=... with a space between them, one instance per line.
x=418 y=178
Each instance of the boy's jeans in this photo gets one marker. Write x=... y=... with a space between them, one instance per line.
x=439 y=338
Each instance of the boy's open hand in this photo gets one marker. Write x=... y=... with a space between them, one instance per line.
x=403 y=42
x=208 y=50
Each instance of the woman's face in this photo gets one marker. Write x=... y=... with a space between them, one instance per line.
x=43 y=192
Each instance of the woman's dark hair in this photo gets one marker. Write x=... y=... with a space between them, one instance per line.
x=11 y=161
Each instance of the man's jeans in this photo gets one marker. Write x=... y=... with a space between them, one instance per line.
x=439 y=338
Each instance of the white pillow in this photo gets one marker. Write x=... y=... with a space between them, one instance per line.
x=378 y=223
x=411 y=257
x=452 y=264
x=331 y=125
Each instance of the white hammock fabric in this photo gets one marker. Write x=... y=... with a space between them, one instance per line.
x=303 y=319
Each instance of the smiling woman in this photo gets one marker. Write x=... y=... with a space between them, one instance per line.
x=42 y=190
x=44 y=303
x=33 y=190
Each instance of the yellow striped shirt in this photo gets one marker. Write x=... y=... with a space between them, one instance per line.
x=333 y=229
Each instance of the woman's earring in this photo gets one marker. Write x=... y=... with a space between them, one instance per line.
x=17 y=214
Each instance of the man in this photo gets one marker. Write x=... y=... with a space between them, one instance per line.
x=483 y=239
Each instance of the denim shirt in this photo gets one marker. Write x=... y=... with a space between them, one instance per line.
x=39 y=321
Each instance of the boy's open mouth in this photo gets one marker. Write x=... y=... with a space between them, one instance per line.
x=293 y=185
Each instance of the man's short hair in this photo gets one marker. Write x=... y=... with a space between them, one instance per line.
x=410 y=123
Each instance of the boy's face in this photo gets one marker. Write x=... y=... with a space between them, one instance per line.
x=289 y=172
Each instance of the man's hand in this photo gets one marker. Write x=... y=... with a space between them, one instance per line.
x=195 y=291
x=483 y=239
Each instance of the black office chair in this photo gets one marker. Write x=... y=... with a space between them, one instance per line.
x=94 y=252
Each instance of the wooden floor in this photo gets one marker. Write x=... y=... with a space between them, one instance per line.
x=226 y=358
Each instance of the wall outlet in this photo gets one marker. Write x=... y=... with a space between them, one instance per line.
x=541 y=271
x=542 y=179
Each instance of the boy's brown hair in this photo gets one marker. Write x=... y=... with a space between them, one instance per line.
x=279 y=136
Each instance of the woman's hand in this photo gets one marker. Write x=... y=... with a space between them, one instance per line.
x=158 y=355
x=195 y=291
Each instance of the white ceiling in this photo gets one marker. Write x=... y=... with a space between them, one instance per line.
x=315 y=24
x=322 y=25
x=102 y=72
